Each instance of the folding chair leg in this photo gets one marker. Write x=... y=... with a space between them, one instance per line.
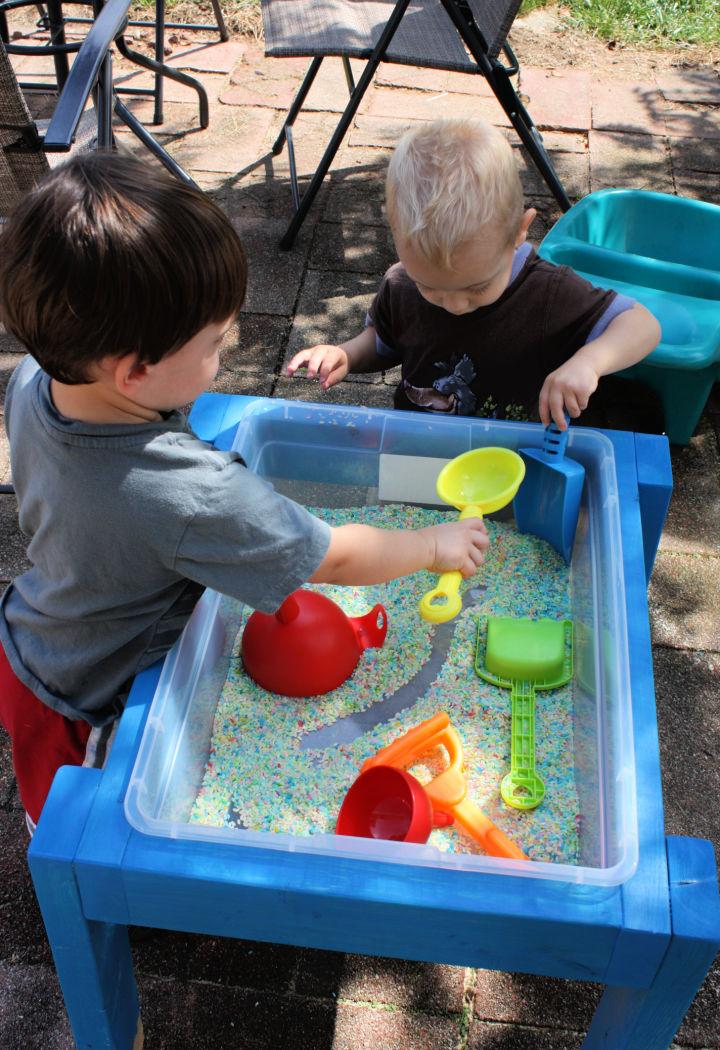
x=172 y=74
x=104 y=103
x=498 y=79
x=297 y=104
x=131 y=121
x=220 y=19
x=344 y=123
x=527 y=132
x=159 y=58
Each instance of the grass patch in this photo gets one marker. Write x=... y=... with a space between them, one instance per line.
x=651 y=22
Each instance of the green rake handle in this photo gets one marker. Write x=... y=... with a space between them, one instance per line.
x=522 y=788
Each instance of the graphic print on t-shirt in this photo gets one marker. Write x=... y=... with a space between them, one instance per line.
x=450 y=392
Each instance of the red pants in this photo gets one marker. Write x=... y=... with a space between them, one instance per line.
x=42 y=739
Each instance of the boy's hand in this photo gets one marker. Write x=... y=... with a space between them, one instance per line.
x=568 y=387
x=327 y=363
x=458 y=545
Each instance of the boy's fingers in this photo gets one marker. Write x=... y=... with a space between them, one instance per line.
x=297 y=361
x=316 y=359
x=571 y=404
x=557 y=404
x=543 y=408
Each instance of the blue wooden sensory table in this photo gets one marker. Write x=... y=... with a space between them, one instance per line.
x=650 y=939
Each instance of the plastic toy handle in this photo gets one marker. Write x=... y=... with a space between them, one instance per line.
x=555 y=440
x=370 y=629
x=522 y=788
x=443 y=602
x=491 y=838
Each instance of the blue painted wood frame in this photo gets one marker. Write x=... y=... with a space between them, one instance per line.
x=94 y=874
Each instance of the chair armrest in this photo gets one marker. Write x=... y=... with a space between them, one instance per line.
x=83 y=76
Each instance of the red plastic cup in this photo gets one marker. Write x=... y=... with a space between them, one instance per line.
x=388 y=803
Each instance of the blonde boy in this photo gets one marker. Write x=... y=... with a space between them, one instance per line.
x=479 y=324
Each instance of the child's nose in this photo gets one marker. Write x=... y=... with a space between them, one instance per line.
x=456 y=303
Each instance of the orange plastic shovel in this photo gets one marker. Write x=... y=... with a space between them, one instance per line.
x=448 y=791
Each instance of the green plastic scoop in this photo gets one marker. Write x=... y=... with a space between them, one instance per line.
x=524 y=655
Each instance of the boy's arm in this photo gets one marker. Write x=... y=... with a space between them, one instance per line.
x=627 y=339
x=330 y=364
x=359 y=555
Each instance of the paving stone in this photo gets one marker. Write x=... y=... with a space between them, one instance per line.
x=369 y=395
x=13 y=559
x=312 y=133
x=700 y=1027
x=218 y=57
x=631 y=161
x=255 y=344
x=5 y=474
x=687 y=693
x=23 y=934
x=692 y=524
x=263 y=195
x=253 y=1020
x=395 y=982
x=229 y=145
x=380 y=132
x=485 y=1036
x=243 y=964
x=557 y=100
x=352 y=246
x=400 y=103
x=691 y=85
x=700 y=155
x=525 y=999
x=698 y=185
x=274 y=276
x=573 y=170
x=165 y=1009
x=32 y=1013
x=366 y=1028
x=695 y=122
x=356 y=192
x=618 y=106
x=255 y=63
x=175 y=92
x=252 y=385
x=684 y=595
x=7 y=776
x=8 y=360
x=392 y=74
x=274 y=94
x=331 y=308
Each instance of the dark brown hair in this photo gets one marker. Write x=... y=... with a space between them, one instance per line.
x=108 y=256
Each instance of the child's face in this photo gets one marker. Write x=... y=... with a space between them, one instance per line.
x=179 y=378
x=479 y=275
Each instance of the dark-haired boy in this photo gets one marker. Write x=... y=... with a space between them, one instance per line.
x=121 y=282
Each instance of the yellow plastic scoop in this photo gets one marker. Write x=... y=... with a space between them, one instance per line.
x=477 y=482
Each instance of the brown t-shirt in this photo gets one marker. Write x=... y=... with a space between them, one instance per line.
x=493 y=361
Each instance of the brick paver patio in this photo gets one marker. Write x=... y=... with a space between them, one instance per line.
x=664 y=134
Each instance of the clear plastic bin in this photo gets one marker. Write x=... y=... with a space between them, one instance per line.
x=332 y=454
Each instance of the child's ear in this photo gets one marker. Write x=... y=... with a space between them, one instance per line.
x=525 y=224
x=128 y=372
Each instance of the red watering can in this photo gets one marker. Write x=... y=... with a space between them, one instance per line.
x=309 y=646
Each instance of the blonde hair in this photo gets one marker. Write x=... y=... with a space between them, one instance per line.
x=446 y=180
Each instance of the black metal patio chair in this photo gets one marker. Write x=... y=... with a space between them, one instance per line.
x=54 y=19
x=27 y=144
x=464 y=36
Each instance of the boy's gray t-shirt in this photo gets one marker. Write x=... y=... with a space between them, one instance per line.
x=126 y=524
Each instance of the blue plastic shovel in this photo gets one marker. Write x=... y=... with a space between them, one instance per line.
x=547 y=503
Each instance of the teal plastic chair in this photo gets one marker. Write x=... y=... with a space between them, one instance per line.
x=663 y=251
